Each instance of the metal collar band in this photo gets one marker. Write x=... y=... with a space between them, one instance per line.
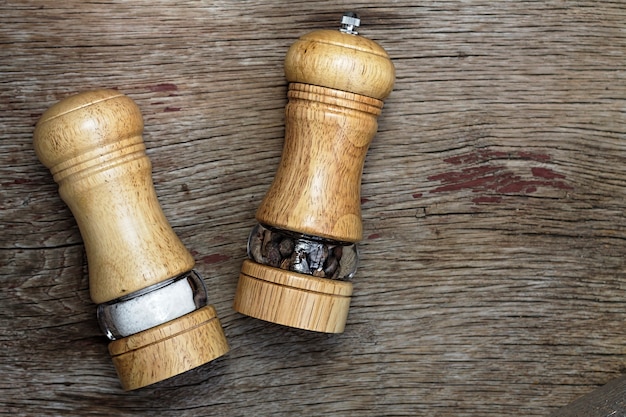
x=152 y=306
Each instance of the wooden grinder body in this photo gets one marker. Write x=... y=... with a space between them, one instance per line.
x=92 y=143
x=316 y=190
x=337 y=84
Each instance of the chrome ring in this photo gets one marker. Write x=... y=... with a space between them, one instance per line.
x=152 y=306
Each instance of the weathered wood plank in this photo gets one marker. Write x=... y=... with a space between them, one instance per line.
x=493 y=269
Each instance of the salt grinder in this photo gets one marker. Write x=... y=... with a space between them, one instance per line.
x=303 y=251
x=151 y=303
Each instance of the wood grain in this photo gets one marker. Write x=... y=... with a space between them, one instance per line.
x=493 y=266
x=340 y=61
x=337 y=82
x=92 y=143
x=292 y=299
x=317 y=187
x=169 y=349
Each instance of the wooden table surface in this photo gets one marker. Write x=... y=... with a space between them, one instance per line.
x=492 y=278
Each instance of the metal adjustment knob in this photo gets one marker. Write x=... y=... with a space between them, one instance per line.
x=349 y=22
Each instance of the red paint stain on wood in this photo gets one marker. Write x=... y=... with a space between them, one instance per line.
x=364 y=200
x=487 y=199
x=374 y=236
x=163 y=87
x=417 y=195
x=484 y=155
x=545 y=173
x=533 y=156
x=170 y=109
x=486 y=174
x=466 y=178
x=214 y=258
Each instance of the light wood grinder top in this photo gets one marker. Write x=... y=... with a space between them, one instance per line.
x=337 y=81
x=140 y=274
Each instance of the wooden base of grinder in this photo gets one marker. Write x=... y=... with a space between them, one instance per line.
x=169 y=349
x=292 y=299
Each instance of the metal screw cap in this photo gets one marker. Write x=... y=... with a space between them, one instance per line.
x=349 y=22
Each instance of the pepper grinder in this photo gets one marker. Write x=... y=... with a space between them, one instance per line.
x=152 y=305
x=303 y=250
